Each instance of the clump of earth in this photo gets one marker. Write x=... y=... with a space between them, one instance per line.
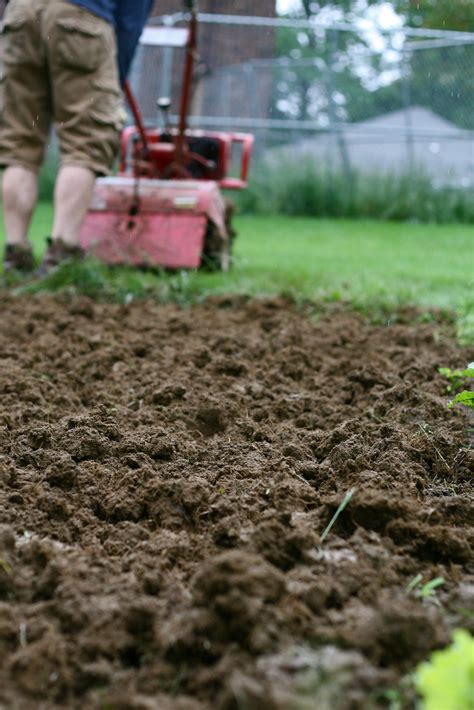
x=166 y=475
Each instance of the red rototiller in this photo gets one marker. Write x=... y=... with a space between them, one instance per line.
x=165 y=206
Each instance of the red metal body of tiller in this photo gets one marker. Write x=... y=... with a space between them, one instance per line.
x=154 y=212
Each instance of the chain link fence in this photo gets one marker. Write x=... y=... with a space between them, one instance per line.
x=350 y=96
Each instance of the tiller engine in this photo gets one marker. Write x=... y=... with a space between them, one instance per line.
x=165 y=206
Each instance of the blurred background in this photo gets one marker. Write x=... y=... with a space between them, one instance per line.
x=353 y=86
x=354 y=104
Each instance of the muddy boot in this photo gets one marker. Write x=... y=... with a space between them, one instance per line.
x=18 y=258
x=56 y=253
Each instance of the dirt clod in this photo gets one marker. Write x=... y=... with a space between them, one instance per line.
x=166 y=475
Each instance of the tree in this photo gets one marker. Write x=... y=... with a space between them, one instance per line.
x=439 y=14
x=331 y=76
x=348 y=76
x=441 y=77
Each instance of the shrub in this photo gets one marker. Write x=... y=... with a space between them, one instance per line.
x=302 y=187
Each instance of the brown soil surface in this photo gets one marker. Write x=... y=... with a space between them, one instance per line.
x=165 y=476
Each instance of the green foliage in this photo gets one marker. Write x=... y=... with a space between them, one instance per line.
x=457 y=378
x=120 y=284
x=304 y=85
x=465 y=324
x=399 y=698
x=465 y=397
x=446 y=681
x=319 y=66
x=439 y=14
x=447 y=67
x=284 y=185
x=427 y=591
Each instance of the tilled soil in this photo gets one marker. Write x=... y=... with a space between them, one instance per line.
x=166 y=475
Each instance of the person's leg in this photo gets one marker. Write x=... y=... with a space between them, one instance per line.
x=72 y=197
x=87 y=114
x=20 y=192
x=25 y=113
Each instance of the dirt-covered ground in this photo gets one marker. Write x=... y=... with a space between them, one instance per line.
x=165 y=476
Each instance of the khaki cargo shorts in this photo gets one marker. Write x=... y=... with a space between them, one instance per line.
x=59 y=66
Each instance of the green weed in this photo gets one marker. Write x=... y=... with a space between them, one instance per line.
x=458 y=377
x=399 y=698
x=427 y=591
x=466 y=398
x=446 y=681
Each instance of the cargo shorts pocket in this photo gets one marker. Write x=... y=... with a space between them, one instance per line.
x=81 y=45
x=13 y=40
x=107 y=108
x=2 y=98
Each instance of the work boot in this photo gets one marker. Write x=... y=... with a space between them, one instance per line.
x=56 y=253
x=18 y=257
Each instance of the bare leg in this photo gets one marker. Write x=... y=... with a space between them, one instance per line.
x=20 y=192
x=72 y=197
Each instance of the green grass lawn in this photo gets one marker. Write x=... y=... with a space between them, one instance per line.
x=375 y=265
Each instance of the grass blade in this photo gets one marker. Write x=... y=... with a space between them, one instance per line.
x=414 y=583
x=428 y=588
x=341 y=507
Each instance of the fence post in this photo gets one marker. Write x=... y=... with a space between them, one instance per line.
x=334 y=123
x=251 y=91
x=166 y=71
x=406 y=99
